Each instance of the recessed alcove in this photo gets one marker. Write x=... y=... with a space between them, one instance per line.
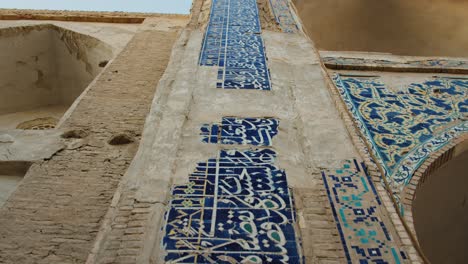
x=43 y=69
x=11 y=174
x=440 y=211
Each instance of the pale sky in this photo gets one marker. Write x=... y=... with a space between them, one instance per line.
x=152 y=6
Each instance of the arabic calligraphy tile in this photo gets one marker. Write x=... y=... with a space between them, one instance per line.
x=241 y=131
x=239 y=207
x=233 y=43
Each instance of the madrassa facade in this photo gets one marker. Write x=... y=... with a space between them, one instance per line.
x=250 y=131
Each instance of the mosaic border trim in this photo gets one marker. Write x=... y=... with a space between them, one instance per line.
x=431 y=164
x=283 y=15
x=357 y=212
x=421 y=66
x=413 y=160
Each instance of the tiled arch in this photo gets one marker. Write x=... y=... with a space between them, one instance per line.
x=442 y=138
x=424 y=171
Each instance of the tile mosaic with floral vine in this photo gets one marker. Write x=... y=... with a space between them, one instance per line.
x=403 y=128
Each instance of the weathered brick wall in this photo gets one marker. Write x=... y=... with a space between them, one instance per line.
x=320 y=238
x=56 y=212
x=127 y=231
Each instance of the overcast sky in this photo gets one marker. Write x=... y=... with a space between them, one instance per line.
x=154 y=6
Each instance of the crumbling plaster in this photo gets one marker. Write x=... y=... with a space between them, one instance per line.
x=69 y=192
x=113 y=34
x=46 y=65
x=311 y=136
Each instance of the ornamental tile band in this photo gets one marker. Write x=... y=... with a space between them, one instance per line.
x=417 y=156
x=404 y=128
x=236 y=208
x=233 y=42
x=241 y=131
x=284 y=16
x=359 y=215
x=429 y=65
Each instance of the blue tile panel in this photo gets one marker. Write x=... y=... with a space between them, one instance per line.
x=241 y=131
x=236 y=208
x=358 y=212
x=284 y=16
x=404 y=128
x=233 y=42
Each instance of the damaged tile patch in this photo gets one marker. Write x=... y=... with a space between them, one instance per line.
x=241 y=131
x=236 y=208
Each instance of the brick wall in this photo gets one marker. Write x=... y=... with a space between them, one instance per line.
x=56 y=212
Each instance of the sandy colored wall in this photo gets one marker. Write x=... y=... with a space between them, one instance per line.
x=46 y=65
x=115 y=35
x=26 y=71
x=70 y=198
x=11 y=173
x=77 y=58
x=419 y=27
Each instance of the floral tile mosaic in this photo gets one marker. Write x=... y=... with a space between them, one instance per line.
x=241 y=131
x=283 y=16
x=404 y=128
x=358 y=213
x=233 y=42
x=236 y=208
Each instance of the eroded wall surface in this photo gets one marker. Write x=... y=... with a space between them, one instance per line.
x=116 y=35
x=56 y=211
x=46 y=65
x=417 y=28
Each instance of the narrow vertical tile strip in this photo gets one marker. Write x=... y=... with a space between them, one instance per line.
x=233 y=42
x=359 y=216
x=284 y=16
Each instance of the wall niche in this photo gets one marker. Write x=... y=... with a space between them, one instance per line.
x=43 y=69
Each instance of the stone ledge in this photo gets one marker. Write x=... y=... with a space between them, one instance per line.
x=82 y=16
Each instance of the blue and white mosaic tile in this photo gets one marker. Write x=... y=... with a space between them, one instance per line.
x=404 y=128
x=233 y=42
x=284 y=16
x=241 y=131
x=236 y=208
x=357 y=210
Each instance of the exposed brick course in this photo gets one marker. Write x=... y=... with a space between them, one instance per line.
x=320 y=239
x=56 y=212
